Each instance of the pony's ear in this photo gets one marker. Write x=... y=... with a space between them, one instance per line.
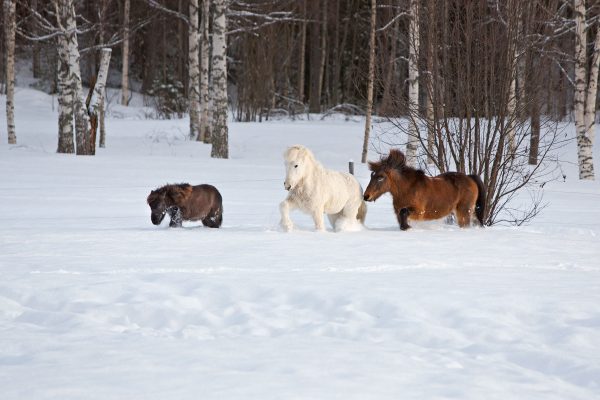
x=150 y=196
x=395 y=159
x=374 y=165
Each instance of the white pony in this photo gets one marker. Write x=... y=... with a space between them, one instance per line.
x=316 y=190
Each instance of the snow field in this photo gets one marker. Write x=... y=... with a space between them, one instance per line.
x=96 y=303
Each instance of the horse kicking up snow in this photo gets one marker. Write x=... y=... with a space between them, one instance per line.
x=186 y=202
x=316 y=190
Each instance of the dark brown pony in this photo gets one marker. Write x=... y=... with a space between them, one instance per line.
x=186 y=202
x=421 y=197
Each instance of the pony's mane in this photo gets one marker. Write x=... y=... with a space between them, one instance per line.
x=395 y=160
x=176 y=192
x=303 y=152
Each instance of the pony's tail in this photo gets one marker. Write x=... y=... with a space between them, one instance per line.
x=362 y=212
x=480 y=202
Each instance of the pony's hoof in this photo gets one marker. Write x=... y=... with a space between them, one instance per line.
x=286 y=227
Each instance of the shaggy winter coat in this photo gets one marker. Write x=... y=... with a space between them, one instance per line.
x=316 y=190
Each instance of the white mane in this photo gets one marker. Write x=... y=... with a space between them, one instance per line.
x=317 y=190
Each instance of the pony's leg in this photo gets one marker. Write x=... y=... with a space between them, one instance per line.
x=318 y=218
x=214 y=221
x=333 y=218
x=284 y=208
x=403 y=219
x=176 y=217
x=463 y=216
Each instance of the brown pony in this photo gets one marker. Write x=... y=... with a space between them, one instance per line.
x=421 y=197
x=186 y=202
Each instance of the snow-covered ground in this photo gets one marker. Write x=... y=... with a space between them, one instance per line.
x=97 y=303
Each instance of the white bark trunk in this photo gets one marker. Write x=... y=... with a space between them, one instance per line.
x=220 y=146
x=301 y=57
x=511 y=109
x=10 y=26
x=125 y=71
x=205 y=134
x=584 y=114
x=98 y=94
x=413 y=84
x=587 y=141
x=65 y=100
x=323 y=53
x=429 y=98
x=83 y=146
x=194 y=71
x=370 y=82
x=101 y=124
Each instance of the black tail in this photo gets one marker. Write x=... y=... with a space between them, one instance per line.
x=480 y=203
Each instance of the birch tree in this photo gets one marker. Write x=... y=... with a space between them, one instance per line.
x=67 y=22
x=65 y=100
x=96 y=99
x=194 y=70
x=302 y=54
x=514 y=29
x=413 y=83
x=125 y=55
x=371 y=79
x=10 y=26
x=429 y=99
x=220 y=146
x=204 y=134
x=584 y=100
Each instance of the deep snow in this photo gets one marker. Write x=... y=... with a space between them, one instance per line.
x=97 y=303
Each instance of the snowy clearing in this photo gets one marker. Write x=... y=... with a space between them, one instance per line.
x=97 y=303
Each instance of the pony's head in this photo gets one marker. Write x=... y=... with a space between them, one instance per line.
x=298 y=163
x=380 y=182
x=159 y=203
x=163 y=198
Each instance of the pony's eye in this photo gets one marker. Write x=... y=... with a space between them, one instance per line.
x=296 y=166
x=380 y=179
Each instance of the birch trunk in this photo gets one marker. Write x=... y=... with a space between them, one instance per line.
x=586 y=160
x=511 y=111
x=125 y=71
x=101 y=124
x=314 y=94
x=65 y=101
x=370 y=82
x=82 y=133
x=10 y=26
x=220 y=146
x=584 y=142
x=413 y=83
x=94 y=107
x=194 y=71
x=98 y=94
x=302 y=55
x=429 y=112
x=35 y=62
x=323 y=56
x=205 y=134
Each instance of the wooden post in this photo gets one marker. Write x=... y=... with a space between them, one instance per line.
x=351 y=167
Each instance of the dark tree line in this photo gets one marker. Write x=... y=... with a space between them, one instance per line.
x=511 y=61
x=286 y=54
